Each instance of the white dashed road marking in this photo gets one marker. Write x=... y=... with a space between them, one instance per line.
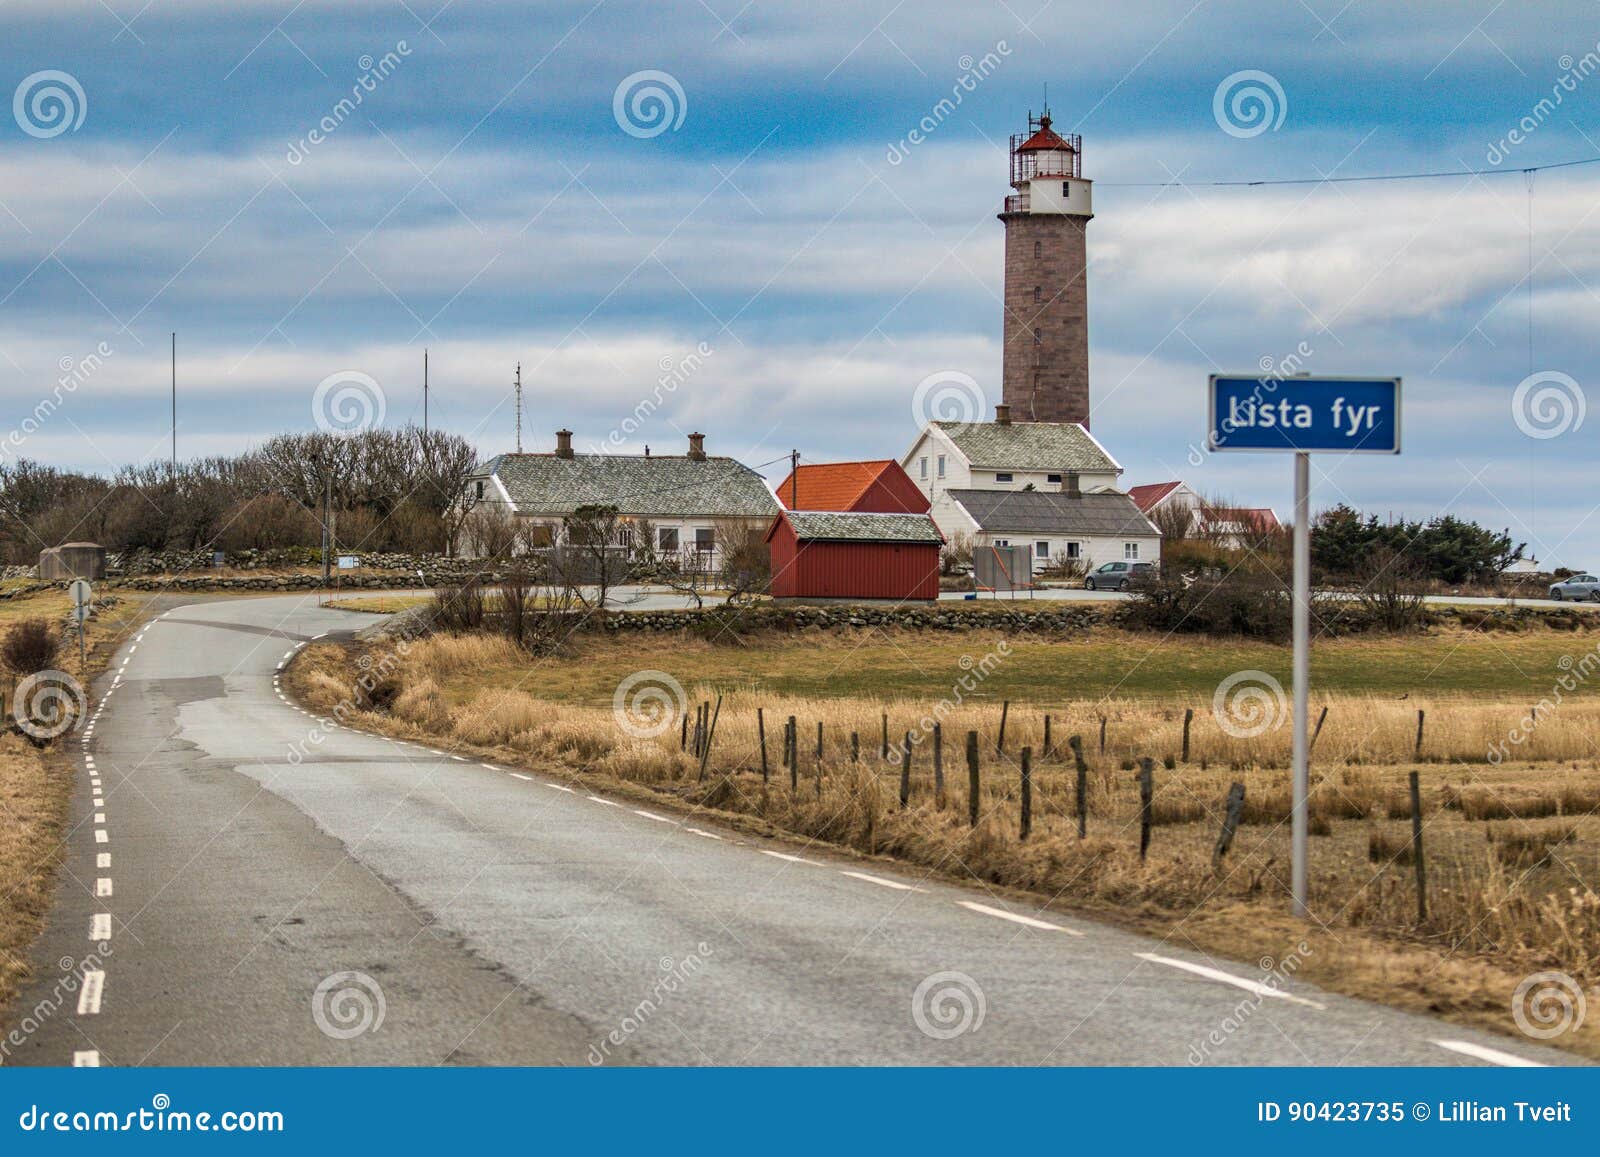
x=1027 y=921
x=100 y=926
x=557 y=786
x=94 y=983
x=102 y=886
x=607 y=802
x=1254 y=986
x=100 y=836
x=706 y=834
x=881 y=882
x=516 y=775
x=86 y=1059
x=103 y=860
x=653 y=816
x=784 y=856
x=1493 y=1056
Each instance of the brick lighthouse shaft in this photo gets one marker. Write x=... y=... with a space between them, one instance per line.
x=1045 y=368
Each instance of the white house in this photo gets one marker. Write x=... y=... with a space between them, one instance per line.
x=1003 y=455
x=1232 y=526
x=680 y=502
x=1087 y=528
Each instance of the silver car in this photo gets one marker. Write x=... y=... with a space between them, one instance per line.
x=1578 y=586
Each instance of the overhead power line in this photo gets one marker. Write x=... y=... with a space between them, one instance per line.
x=1367 y=177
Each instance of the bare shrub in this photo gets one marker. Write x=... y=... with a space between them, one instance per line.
x=30 y=646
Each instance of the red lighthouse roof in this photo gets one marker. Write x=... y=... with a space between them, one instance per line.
x=1045 y=138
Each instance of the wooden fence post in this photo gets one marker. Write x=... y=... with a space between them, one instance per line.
x=1102 y=735
x=761 y=733
x=683 y=733
x=711 y=732
x=1044 y=748
x=1188 y=718
x=819 y=739
x=1076 y=743
x=794 y=755
x=938 y=764
x=1027 y=792
x=905 y=772
x=1005 y=709
x=972 y=779
x=1147 y=790
x=884 y=753
x=1416 y=850
x=855 y=747
x=783 y=759
x=1421 y=715
x=1321 y=719
x=1232 y=810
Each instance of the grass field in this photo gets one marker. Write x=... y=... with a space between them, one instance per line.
x=35 y=786
x=1511 y=847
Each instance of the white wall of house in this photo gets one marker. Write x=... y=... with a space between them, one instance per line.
x=1092 y=550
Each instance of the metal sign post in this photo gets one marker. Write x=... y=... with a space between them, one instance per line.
x=1303 y=415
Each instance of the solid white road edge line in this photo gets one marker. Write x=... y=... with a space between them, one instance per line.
x=94 y=983
x=895 y=884
x=1254 y=986
x=1027 y=921
x=1493 y=1056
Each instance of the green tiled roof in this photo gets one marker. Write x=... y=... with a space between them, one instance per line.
x=825 y=526
x=1051 y=446
x=672 y=486
x=1106 y=512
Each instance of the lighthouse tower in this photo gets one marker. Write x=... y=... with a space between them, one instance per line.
x=1045 y=373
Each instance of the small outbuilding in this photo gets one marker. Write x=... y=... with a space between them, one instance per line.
x=853 y=555
x=73 y=560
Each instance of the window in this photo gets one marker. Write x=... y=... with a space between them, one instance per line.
x=1041 y=550
x=705 y=538
x=1066 y=189
x=922 y=467
x=1053 y=478
x=541 y=535
x=1002 y=542
x=941 y=465
x=1038 y=336
x=1130 y=550
x=667 y=539
x=480 y=490
x=1002 y=478
x=1074 y=550
x=1038 y=295
x=1038 y=249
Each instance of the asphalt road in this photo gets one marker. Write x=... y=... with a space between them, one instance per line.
x=251 y=889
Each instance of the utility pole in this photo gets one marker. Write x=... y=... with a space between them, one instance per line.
x=519 y=407
x=327 y=537
x=424 y=392
x=794 y=479
x=174 y=404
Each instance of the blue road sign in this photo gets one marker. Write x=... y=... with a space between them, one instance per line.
x=1328 y=415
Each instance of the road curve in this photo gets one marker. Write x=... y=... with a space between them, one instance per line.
x=247 y=893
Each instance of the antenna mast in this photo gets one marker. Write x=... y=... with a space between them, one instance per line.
x=424 y=391
x=519 y=407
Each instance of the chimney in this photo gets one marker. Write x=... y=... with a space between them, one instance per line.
x=563 y=443
x=1002 y=415
x=697 y=447
x=1069 y=484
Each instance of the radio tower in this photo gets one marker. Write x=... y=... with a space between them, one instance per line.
x=519 y=407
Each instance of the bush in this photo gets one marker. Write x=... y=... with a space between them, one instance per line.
x=1255 y=605
x=30 y=646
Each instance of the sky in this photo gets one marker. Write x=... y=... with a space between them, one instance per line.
x=768 y=205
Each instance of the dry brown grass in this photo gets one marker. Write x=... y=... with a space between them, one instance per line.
x=1521 y=901
x=35 y=786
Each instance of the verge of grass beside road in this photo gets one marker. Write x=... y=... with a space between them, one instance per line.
x=35 y=787
x=1511 y=849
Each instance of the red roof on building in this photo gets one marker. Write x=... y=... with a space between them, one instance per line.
x=1259 y=519
x=836 y=485
x=1149 y=496
x=1045 y=138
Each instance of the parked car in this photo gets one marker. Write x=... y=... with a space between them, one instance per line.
x=1116 y=576
x=1579 y=586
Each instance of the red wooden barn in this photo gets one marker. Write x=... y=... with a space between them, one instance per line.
x=854 y=555
x=882 y=487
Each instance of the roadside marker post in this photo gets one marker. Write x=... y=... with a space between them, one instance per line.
x=80 y=592
x=1302 y=415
